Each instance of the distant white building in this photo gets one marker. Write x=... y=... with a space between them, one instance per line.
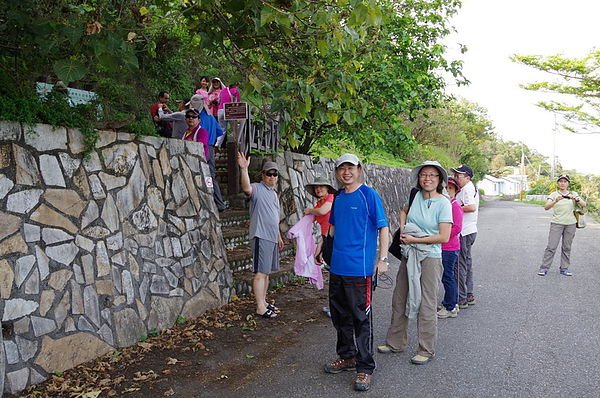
x=491 y=185
x=503 y=186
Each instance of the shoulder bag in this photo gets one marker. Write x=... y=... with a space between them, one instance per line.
x=394 y=248
x=579 y=214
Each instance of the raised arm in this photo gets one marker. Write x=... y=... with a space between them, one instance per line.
x=244 y=163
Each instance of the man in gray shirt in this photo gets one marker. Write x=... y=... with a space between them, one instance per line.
x=265 y=238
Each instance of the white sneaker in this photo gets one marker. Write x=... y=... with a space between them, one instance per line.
x=444 y=313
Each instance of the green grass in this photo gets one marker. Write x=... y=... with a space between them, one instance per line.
x=378 y=157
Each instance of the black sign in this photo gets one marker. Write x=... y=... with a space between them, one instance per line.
x=236 y=111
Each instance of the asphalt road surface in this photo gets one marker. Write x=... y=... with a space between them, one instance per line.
x=526 y=336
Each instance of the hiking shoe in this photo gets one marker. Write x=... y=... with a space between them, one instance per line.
x=542 y=272
x=362 y=382
x=444 y=313
x=340 y=365
x=463 y=304
x=387 y=349
x=420 y=360
x=565 y=272
x=470 y=299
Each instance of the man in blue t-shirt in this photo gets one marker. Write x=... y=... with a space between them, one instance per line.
x=357 y=218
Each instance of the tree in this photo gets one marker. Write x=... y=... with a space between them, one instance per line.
x=333 y=69
x=578 y=80
x=460 y=128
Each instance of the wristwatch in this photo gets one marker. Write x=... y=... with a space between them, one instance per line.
x=384 y=259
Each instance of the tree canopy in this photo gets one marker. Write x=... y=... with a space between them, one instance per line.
x=576 y=84
x=330 y=69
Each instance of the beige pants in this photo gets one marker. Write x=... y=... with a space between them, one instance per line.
x=397 y=335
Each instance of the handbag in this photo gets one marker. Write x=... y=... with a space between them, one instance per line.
x=327 y=249
x=394 y=248
x=579 y=216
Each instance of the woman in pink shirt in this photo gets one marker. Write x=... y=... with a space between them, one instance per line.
x=203 y=90
x=450 y=252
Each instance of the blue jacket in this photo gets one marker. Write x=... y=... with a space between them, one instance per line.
x=211 y=125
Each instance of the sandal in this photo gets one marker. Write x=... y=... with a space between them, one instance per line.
x=272 y=308
x=269 y=314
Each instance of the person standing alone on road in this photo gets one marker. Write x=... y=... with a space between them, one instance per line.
x=265 y=238
x=356 y=221
x=563 y=225
x=468 y=198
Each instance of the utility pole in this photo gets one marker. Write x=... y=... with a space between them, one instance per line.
x=554 y=131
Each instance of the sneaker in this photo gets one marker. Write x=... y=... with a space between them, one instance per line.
x=362 y=382
x=463 y=304
x=444 y=313
x=340 y=365
x=542 y=272
x=420 y=359
x=456 y=308
x=566 y=272
x=470 y=299
x=387 y=349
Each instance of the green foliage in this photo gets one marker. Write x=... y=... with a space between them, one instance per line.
x=153 y=332
x=455 y=132
x=180 y=320
x=542 y=186
x=353 y=70
x=576 y=80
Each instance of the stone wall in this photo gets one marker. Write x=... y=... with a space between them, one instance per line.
x=98 y=250
x=392 y=184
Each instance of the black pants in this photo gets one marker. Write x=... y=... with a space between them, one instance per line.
x=350 y=305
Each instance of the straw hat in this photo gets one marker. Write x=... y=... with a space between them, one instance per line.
x=319 y=181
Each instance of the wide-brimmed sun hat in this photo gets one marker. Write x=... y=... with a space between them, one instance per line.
x=319 y=181
x=414 y=175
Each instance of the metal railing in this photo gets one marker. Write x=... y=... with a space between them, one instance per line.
x=262 y=136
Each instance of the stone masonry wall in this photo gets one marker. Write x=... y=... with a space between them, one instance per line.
x=392 y=184
x=98 y=250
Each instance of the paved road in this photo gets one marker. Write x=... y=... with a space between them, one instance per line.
x=527 y=336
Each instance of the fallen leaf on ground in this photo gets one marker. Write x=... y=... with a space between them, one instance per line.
x=172 y=361
x=169 y=392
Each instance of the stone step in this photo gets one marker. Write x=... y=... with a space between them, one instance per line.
x=236 y=235
x=240 y=258
x=242 y=280
x=233 y=217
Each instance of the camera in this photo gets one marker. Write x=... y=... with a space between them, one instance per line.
x=566 y=196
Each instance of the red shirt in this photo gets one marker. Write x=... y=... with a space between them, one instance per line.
x=324 y=219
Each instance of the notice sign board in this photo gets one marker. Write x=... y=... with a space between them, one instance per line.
x=236 y=111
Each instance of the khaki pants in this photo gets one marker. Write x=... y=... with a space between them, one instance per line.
x=558 y=231
x=397 y=335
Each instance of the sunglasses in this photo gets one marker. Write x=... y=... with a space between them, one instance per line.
x=191 y=117
x=271 y=174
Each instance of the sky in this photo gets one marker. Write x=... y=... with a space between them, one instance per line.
x=493 y=30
